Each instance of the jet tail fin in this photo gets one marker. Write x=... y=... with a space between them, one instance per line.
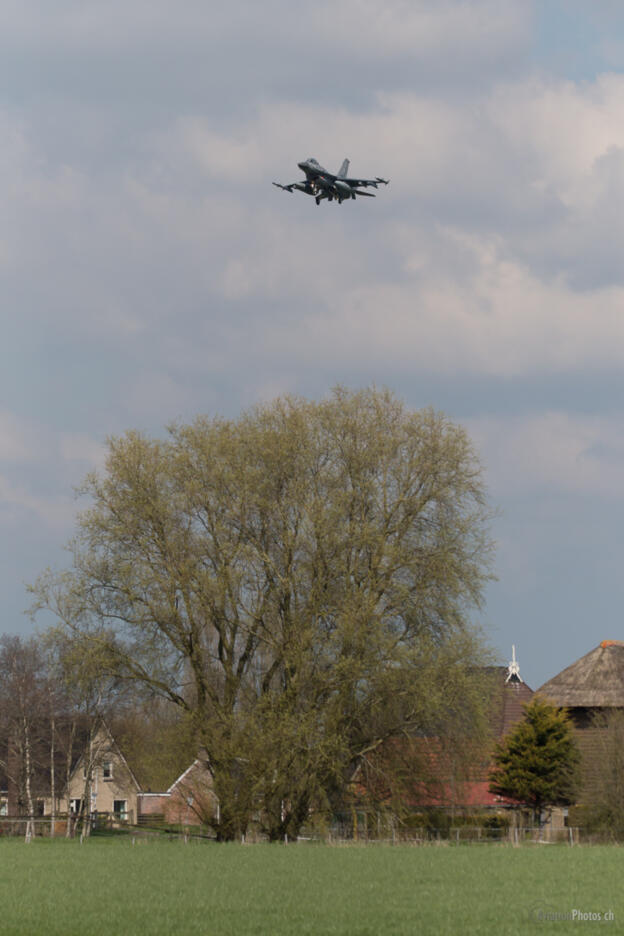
x=343 y=169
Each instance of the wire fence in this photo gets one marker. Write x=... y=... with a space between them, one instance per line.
x=337 y=834
x=465 y=835
x=97 y=826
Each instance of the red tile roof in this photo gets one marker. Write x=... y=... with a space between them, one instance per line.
x=438 y=779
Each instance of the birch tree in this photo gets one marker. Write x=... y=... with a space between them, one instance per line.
x=23 y=692
x=85 y=694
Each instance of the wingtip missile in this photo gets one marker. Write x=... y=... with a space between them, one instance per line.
x=285 y=188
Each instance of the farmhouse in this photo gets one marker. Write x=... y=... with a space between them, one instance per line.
x=102 y=781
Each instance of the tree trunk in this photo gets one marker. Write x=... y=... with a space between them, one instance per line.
x=52 y=778
x=30 y=823
x=86 y=799
x=284 y=818
x=228 y=828
x=68 y=765
x=233 y=792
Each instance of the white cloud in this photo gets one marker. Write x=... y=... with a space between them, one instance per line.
x=561 y=127
x=217 y=154
x=567 y=453
x=492 y=293
x=156 y=398
x=494 y=317
x=77 y=447
x=532 y=156
x=39 y=466
x=15 y=442
x=20 y=505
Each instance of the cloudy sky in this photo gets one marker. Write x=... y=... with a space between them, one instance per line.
x=150 y=271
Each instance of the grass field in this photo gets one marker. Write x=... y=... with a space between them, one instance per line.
x=114 y=888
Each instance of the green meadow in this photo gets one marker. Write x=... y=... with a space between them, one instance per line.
x=160 y=887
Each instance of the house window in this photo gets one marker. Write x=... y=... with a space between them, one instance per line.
x=107 y=770
x=565 y=816
x=120 y=809
x=4 y=808
x=74 y=806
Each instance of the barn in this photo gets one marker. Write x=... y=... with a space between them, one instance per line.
x=592 y=690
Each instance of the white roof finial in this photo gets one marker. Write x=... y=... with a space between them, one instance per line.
x=513 y=669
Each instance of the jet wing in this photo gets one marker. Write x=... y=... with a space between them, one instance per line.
x=363 y=183
x=286 y=188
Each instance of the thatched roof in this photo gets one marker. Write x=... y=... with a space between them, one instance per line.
x=594 y=681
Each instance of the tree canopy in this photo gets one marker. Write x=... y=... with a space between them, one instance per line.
x=300 y=580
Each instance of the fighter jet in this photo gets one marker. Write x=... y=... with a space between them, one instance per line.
x=323 y=184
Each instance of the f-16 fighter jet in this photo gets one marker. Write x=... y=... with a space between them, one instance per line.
x=323 y=184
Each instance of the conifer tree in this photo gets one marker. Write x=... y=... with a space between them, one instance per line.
x=537 y=764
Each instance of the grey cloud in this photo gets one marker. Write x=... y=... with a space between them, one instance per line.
x=422 y=27
x=137 y=64
x=150 y=270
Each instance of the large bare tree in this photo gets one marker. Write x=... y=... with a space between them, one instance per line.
x=300 y=580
